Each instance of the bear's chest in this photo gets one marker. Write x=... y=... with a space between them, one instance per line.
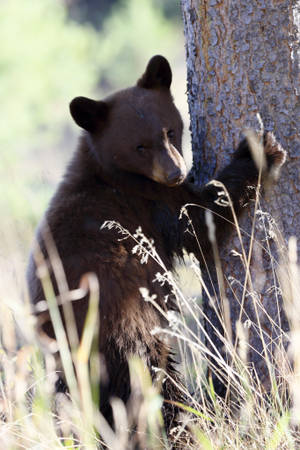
x=157 y=220
x=154 y=219
x=167 y=225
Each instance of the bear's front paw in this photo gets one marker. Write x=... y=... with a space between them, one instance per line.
x=257 y=142
x=275 y=154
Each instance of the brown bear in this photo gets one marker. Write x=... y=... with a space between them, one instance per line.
x=129 y=168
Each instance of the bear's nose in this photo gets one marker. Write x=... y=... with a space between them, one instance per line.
x=174 y=176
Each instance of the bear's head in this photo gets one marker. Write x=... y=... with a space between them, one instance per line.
x=136 y=130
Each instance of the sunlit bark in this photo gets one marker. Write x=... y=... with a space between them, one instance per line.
x=242 y=65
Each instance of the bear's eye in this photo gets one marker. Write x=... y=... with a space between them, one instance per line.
x=171 y=134
x=141 y=149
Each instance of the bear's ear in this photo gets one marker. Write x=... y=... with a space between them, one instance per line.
x=158 y=74
x=87 y=113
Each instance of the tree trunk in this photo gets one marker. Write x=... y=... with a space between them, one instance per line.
x=242 y=64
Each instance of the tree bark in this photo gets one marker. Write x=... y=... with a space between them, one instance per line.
x=242 y=64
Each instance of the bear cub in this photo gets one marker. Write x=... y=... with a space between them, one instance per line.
x=128 y=168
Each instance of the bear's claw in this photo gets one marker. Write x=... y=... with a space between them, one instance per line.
x=274 y=152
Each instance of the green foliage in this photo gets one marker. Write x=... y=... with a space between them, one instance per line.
x=134 y=32
x=43 y=64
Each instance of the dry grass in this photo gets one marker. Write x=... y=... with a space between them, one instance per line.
x=34 y=416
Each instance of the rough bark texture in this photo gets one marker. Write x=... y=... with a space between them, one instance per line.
x=243 y=60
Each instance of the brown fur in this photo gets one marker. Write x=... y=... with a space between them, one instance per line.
x=128 y=168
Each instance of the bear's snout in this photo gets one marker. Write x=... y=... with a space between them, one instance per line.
x=169 y=167
x=175 y=177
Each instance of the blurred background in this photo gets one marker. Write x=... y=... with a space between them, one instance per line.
x=52 y=51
